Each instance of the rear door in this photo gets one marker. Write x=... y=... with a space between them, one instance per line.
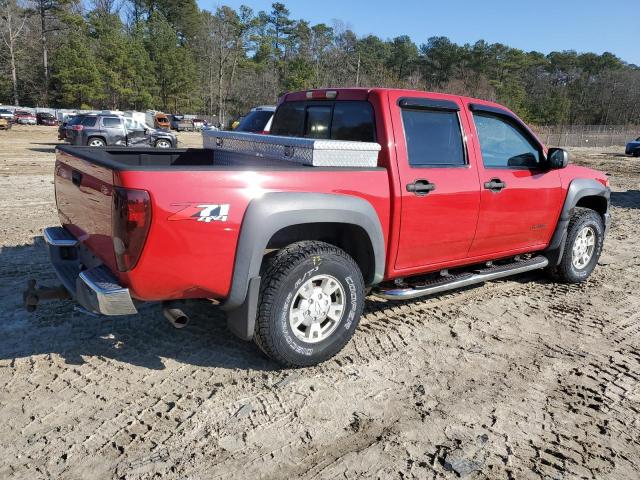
x=521 y=197
x=114 y=130
x=439 y=183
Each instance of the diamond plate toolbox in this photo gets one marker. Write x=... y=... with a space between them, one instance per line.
x=307 y=151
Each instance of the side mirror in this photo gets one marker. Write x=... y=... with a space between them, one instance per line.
x=557 y=158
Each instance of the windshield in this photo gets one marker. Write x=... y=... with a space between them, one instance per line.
x=256 y=121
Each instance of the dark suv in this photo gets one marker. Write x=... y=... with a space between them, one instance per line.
x=110 y=130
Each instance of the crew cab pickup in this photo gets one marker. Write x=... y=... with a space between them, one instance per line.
x=460 y=191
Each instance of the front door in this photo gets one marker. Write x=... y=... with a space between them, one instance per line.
x=440 y=189
x=136 y=133
x=521 y=197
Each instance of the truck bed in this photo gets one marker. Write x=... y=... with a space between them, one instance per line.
x=126 y=158
x=181 y=184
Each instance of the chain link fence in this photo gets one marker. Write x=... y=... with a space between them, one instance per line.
x=587 y=135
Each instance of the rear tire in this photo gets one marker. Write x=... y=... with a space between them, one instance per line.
x=95 y=142
x=583 y=246
x=311 y=299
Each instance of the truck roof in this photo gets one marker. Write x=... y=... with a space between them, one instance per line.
x=362 y=93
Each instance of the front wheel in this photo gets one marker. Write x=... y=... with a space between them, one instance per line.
x=585 y=237
x=311 y=299
x=162 y=143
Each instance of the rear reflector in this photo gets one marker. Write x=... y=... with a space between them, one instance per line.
x=131 y=218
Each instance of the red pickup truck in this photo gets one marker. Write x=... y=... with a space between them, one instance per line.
x=463 y=192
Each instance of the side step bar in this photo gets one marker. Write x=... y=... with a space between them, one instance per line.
x=461 y=280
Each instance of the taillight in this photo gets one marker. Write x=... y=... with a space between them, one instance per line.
x=77 y=128
x=131 y=218
x=322 y=94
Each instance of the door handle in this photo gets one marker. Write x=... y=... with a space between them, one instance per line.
x=421 y=187
x=495 y=185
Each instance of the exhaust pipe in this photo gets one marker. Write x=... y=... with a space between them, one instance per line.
x=174 y=314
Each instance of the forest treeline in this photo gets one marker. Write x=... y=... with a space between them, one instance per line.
x=173 y=56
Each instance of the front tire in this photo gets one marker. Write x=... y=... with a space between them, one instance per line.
x=311 y=300
x=162 y=143
x=585 y=237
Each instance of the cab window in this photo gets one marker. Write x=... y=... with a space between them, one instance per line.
x=335 y=120
x=503 y=144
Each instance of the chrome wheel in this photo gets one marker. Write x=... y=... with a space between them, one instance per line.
x=96 y=142
x=583 y=247
x=317 y=308
x=163 y=144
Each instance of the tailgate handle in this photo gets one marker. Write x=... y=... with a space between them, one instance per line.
x=76 y=178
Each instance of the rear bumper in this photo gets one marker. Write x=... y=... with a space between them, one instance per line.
x=89 y=282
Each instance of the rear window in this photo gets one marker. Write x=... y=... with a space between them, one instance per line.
x=256 y=121
x=89 y=121
x=339 y=120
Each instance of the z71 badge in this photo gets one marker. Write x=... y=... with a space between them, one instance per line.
x=202 y=213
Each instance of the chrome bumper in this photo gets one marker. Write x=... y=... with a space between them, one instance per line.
x=89 y=282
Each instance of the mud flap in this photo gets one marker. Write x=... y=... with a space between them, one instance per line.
x=242 y=320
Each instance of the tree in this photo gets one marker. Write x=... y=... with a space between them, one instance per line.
x=12 y=26
x=75 y=75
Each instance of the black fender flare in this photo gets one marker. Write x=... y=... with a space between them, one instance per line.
x=272 y=212
x=578 y=188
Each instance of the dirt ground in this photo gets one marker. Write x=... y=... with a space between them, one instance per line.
x=521 y=378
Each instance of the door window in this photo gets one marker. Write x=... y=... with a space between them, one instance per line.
x=503 y=145
x=433 y=137
x=111 y=122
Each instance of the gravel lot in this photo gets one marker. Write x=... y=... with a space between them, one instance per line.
x=514 y=379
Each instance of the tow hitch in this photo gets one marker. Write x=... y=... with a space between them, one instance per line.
x=32 y=295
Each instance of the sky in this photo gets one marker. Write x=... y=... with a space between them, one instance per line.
x=542 y=25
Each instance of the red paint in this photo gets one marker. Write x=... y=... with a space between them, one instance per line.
x=456 y=224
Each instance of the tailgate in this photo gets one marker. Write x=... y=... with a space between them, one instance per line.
x=84 y=197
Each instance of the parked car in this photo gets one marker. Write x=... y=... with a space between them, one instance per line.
x=43 y=118
x=180 y=124
x=62 y=126
x=633 y=148
x=258 y=120
x=198 y=124
x=8 y=114
x=459 y=191
x=5 y=123
x=112 y=130
x=25 y=117
x=157 y=120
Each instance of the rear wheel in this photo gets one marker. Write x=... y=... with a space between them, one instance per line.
x=96 y=142
x=311 y=299
x=162 y=143
x=585 y=236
